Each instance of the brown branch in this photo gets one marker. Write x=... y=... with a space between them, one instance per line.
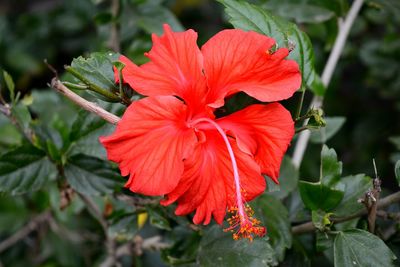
x=113 y=42
x=89 y=106
x=24 y=231
x=383 y=203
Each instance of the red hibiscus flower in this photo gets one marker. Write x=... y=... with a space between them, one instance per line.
x=171 y=144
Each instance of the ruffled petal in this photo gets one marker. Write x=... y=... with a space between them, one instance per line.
x=264 y=131
x=235 y=60
x=175 y=68
x=207 y=184
x=150 y=144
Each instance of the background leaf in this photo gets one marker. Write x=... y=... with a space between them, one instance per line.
x=274 y=215
x=25 y=169
x=318 y=196
x=218 y=249
x=361 y=248
x=91 y=176
x=333 y=125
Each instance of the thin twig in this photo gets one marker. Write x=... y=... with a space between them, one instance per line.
x=25 y=231
x=372 y=198
x=383 y=203
x=330 y=66
x=111 y=259
x=89 y=106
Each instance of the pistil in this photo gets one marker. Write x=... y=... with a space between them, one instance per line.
x=242 y=223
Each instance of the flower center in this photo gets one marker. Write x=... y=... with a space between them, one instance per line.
x=242 y=220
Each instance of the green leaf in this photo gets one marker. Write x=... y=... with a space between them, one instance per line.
x=356 y=186
x=91 y=176
x=318 y=196
x=124 y=227
x=321 y=219
x=397 y=171
x=331 y=168
x=288 y=179
x=25 y=169
x=85 y=133
x=218 y=249
x=10 y=85
x=316 y=85
x=253 y=18
x=333 y=125
x=301 y=12
x=152 y=17
x=274 y=215
x=97 y=72
x=21 y=113
x=360 y=248
x=157 y=219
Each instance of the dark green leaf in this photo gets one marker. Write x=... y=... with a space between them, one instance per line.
x=157 y=219
x=397 y=171
x=324 y=241
x=356 y=186
x=331 y=168
x=91 y=176
x=395 y=140
x=274 y=215
x=103 y=18
x=85 y=134
x=333 y=125
x=124 y=227
x=218 y=249
x=288 y=179
x=318 y=196
x=250 y=17
x=25 y=169
x=360 y=248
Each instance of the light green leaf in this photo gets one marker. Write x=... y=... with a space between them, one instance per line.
x=25 y=169
x=21 y=113
x=356 y=186
x=331 y=168
x=333 y=125
x=360 y=248
x=91 y=176
x=253 y=18
x=318 y=196
x=10 y=85
x=218 y=249
x=274 y=215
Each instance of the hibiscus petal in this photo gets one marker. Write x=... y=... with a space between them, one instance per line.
x=235 y=60
x=264 y=131
x=150 y=143
x=207 y=184
x=175 y=67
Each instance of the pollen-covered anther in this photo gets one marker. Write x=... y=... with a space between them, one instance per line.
x=244 y=226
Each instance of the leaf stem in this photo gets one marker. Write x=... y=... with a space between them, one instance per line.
x=330 y=66
x=89 y=106
x=92 y=86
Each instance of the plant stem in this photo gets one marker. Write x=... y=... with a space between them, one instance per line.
x=383 y=203
x=330 y=66
x=89 y=106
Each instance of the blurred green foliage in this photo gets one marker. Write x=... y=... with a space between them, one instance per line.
x=58 y=187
